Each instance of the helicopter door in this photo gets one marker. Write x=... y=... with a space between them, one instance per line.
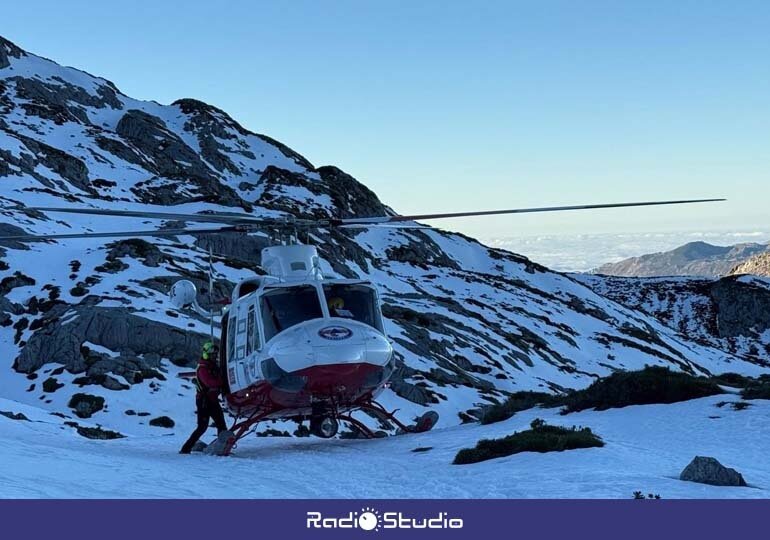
x=239 y=338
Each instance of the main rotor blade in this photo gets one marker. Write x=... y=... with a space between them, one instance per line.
x=394 y=219
x=383 y=226
x=119 y=234
x=205 y=218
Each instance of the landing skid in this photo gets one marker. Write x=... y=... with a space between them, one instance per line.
x=423 y=423
x=227 y=440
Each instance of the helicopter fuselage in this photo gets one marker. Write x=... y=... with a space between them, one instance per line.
x=301 y=346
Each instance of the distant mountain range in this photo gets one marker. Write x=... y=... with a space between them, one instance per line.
x=693 y=259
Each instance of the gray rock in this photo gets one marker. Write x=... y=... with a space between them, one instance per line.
x=6 y=229
x=67 y=166
x=136 y=248
x=707 y=470
x=16 y=280
x=140 y=342
x=85 y=405
x=151 y=136
x=741 y=308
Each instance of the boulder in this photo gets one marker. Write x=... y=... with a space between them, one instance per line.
x=85 y=405
x=707 y=470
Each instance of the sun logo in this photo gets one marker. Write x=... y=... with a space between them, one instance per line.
x=369 y=520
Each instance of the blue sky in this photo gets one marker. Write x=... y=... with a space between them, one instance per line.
x=458 y=105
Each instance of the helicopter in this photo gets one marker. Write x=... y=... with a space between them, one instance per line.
x=295 y=344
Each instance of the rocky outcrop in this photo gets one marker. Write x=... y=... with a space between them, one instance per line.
x=707 y=470
x=170 y=155
x=758 y=265
x=743 y=308
x=63 y=102
x=8 y=50
x=139 y=342
x=349 y=196
x=69 y=167
x=693 y=259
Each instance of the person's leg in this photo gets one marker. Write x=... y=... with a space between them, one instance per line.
x=217 y=415
x=203 y=425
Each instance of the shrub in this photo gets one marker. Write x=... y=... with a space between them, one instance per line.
x=95 y=432
x=518 y=401
x=650 y=385
x=732 y=379
x=640 y=496
x=759 y=389
x=540 y=438
x=51 y=385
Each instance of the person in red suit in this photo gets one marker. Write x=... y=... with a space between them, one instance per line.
x=209 y=385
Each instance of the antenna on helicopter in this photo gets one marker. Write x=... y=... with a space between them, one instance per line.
x=184 y=294
x=211 y=293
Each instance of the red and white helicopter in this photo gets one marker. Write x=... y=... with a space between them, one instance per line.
x=294 y=344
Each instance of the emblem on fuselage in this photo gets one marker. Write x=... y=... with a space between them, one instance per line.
x=335 y=333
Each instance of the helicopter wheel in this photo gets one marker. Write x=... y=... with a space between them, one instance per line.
x=325 y=427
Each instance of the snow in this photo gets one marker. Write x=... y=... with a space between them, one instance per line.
x=646 y=449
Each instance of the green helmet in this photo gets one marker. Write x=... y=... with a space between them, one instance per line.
x=209 y=350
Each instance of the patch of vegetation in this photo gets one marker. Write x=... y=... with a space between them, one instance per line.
x=102 y=379
x=14 y=416
x=732 y=379
x=162 y=421
x=641 y=496
x=79 y=290
x=51 y=385
x=518 y=401
x=653 y=384
x=95 y=432
x=540 y=438
x=271 y=432
x=84 y=405
x=757 y=389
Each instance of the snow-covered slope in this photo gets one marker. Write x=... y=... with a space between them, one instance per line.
x=646 y=448
x=470 y=323
x=731 y=313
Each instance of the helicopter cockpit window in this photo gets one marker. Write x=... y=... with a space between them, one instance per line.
x=284 y=307
x=357 y=302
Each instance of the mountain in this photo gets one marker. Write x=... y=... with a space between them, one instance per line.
x=758 y=265
x=85 y=327
x=692 y=259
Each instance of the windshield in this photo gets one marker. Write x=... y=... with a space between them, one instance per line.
x=284 y=307
x=357 y=302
